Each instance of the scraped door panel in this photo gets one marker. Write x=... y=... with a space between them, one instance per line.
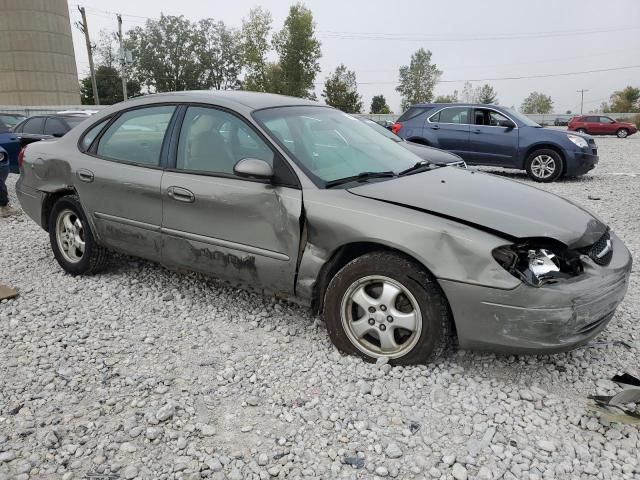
x=245 y=232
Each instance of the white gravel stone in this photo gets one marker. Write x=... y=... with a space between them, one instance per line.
x=107 y=378
x=459 y=472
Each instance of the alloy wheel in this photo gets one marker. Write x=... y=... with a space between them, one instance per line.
x=70 y=236
x=543 y=166
x=622 y=133
x=381 y=317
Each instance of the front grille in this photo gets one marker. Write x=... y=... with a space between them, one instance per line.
x=602 y=251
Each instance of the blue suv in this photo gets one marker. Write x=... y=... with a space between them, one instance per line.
x=498 y=136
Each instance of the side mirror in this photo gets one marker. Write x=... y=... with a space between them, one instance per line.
x=507 y=124
x=58 y=134
x=253 y=168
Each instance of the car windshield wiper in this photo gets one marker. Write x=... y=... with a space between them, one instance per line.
x=362 y=176
x=419 y=167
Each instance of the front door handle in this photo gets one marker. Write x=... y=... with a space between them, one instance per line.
x=435 y=127
x=181 y=194
x=477 y=130
x=85 y=175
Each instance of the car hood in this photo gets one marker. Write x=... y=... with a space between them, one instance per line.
x=562 y=134
x=490 y=203
x=430 y=154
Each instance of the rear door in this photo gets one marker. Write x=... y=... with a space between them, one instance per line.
x=240 y=230
x=451 y=127
x=491 y=141
x=118 y=179
x=592 y=125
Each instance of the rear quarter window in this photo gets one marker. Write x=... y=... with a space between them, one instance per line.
x=413 y=112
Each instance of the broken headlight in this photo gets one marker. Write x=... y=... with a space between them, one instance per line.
x=539 y=262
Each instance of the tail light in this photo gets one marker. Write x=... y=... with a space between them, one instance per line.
x=21 y=157
x=395 y=128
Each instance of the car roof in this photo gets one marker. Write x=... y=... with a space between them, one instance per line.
x=252 y=100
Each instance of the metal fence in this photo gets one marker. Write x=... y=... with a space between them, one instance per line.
x=44 y=109
x=546 y=119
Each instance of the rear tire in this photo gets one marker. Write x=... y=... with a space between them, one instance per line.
x=71 y=238
x=544 y=165
x=384 y=305
x=622 y=133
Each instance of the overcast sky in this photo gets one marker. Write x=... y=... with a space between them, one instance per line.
x=469 y=39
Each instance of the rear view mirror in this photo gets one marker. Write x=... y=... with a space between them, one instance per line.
x=253 y=168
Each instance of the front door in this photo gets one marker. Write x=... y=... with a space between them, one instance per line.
x=450 y=126
x=119 y=179
x=493 y=141
x=243 y=231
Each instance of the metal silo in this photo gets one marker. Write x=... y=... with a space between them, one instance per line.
x=37 y=62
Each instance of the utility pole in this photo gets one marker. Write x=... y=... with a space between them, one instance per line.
x=85 y=29
x=581 y=92
x=123 y=59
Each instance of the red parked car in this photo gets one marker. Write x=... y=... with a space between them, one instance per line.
x=599 y=125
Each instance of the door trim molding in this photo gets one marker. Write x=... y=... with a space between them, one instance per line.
x=226 y=244
x=126 y=221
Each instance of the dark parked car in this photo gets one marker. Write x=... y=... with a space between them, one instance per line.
x=428 y=154
x=600 y=125
x=560 y=122
x=11 y=144
x=11 y=119
x=40 y=127
x=492 y=135
x=287 y=196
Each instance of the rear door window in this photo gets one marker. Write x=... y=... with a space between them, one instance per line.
x=34 y=126
x=459 y=115
x=137 y=135
x=55 y=126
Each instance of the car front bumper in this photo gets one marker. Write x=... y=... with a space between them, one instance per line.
x=552 y=318
x=582 y=163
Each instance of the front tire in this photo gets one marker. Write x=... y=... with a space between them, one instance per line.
x=71 y=238
x=622 y=133
x=384 y=305
x=544 y=165
x=581 y=130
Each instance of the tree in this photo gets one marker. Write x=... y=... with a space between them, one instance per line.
x=487 y=95
x=341 y=91
x=537 y=103
x=254 y=38
x=379 y=105
x=165 y=53
x=624 y=101
x=469 y=94
x=451 y=98
x=418 y=79
x=218 y=53
x=298 y=51
x=109 y=87
x=106 y=50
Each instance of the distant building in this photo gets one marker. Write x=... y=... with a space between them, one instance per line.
x=37 y=61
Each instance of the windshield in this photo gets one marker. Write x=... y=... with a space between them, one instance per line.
x=521 y=118
x=329 y=144
x=380 y=129
x=11 y=120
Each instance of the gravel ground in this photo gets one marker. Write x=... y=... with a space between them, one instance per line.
x=144 y=373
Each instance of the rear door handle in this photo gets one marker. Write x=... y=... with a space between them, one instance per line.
x=181 y=194
x=85 y=175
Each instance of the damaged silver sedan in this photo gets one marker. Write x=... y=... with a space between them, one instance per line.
x=289 y=197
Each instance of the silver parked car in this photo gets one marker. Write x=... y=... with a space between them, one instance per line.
x=300 y=200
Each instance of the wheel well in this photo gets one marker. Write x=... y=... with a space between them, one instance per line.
x=547 y=147
x=418 y=140
x=49 y=201
x=344 y=255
